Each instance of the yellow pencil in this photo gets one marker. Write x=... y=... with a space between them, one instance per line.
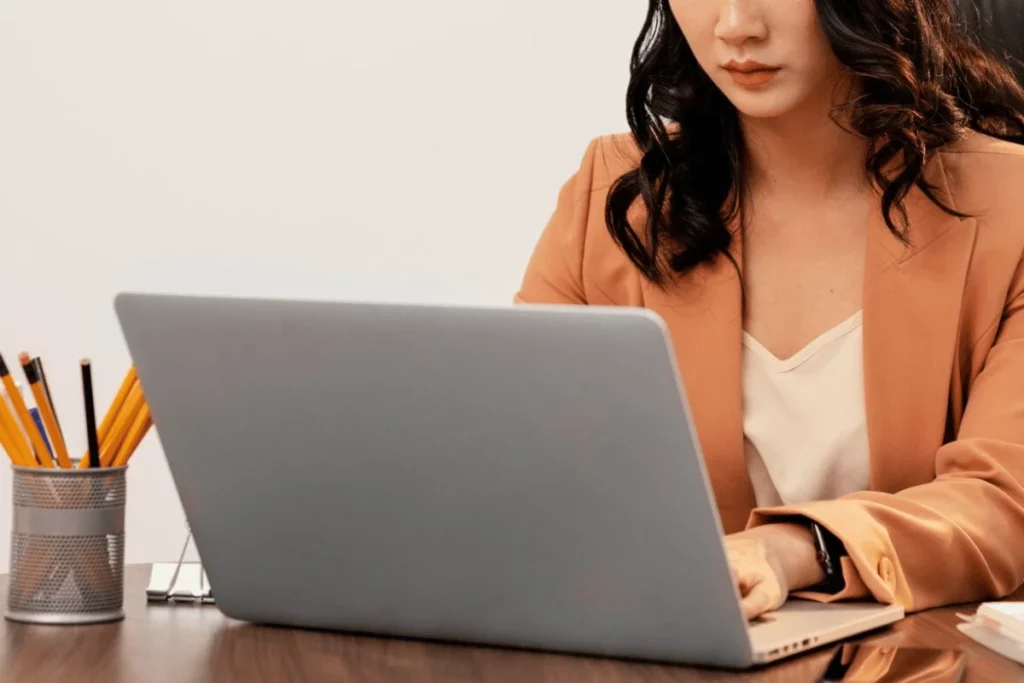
x=21 y=410
x=140 y=425
x=8 y=445
x=142 y=433
x=45 y=410
x=130 y=380
x=142 y=436
x=21 y=450
x=110 y=446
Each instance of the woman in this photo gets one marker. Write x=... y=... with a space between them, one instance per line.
x=821 y=201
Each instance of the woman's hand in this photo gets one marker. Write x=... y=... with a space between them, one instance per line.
x=770 y=561
x=758 y=575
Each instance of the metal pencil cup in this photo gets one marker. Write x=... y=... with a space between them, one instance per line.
x=67 y=546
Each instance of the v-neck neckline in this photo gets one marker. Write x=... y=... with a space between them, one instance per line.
x=810 y=350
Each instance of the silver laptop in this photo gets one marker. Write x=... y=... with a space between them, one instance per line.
x=524 y=477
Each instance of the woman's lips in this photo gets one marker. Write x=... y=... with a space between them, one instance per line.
x=751 y=74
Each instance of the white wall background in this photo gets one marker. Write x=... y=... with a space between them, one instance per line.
x=401 y=150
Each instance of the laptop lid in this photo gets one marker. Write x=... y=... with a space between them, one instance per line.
x=520 y=476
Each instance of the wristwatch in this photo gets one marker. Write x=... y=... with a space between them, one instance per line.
x=829 y=549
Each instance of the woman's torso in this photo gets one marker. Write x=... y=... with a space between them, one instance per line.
x=931 y=309
x=804 y=419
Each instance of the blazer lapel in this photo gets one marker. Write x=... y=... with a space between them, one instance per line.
x=912 y=302
x=705 y=318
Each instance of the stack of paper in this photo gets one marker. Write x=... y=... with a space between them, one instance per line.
x=999 y=626
x=179 y=582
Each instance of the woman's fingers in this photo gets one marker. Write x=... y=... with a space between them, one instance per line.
x=757 y=602
x=759 y=587
x=755 y=593
x=746 y=580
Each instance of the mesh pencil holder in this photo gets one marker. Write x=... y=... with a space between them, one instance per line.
x=67 y=546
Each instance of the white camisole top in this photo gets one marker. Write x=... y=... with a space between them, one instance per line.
x=804 y=421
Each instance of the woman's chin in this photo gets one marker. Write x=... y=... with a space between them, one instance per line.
x=761 y=105
x=770 y=99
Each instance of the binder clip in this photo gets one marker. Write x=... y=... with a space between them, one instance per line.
x=179 y=581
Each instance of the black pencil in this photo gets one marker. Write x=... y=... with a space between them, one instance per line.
x=38 y=362
x=90 y=415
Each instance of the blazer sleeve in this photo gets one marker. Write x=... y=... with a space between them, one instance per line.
x=555 y=271
x=959 y=538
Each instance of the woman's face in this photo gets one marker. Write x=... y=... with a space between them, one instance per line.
x=769 y=57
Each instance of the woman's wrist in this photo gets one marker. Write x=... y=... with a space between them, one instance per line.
x=793 y=552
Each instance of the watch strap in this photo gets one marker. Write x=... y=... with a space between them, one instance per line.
x=829 y=550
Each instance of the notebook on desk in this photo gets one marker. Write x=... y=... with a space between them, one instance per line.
x=179 y=581
x=169 y=582
x=999 y=626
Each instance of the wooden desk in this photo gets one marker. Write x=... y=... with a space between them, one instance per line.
x=157 y=643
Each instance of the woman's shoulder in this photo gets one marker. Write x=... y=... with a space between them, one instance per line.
x=974 y=143
x=576 y=259
x=985 y=176
x=609 y=157
x=983 y=171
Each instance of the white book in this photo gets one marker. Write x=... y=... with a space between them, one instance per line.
x=999 y=626
x=1008 y=615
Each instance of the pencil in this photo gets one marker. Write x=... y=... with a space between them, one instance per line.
x=8 y=444
x=18 y=447
x=142 y=435
x=38 y=419
x=43 y=405
x=110 y=446
x=140 y=425
x=21 y=410
x=90 y=414
x=38 y=362
x=34 y=414
x=127 y=383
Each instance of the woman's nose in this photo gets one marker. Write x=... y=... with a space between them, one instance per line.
x=740 y=21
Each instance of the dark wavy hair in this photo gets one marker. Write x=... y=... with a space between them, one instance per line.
x=923 y=80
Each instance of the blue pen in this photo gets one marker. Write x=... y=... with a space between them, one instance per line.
x=34 y=412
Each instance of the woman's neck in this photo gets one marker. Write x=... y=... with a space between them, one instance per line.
x=804 y=152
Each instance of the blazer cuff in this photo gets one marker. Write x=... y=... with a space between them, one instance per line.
x=871 y=568
x=853 y=588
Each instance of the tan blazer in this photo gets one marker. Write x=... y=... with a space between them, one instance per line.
x=943 y=365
